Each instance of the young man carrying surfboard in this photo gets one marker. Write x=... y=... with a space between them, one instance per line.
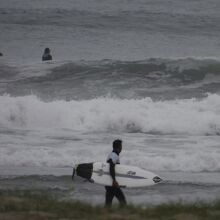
x=114 y=190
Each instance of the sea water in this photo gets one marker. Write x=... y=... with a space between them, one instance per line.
x=146 y=72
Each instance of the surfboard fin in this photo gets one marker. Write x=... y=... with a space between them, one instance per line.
x=73 y=174
x=74 y=171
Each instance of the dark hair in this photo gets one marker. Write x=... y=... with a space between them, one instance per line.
x=47 y=50
x=116 y=144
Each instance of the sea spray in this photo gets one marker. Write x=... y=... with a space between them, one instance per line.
x=185 y=116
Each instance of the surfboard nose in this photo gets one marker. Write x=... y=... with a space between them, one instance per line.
x=157 y=179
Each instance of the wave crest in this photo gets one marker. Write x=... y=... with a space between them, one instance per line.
x=186 y=116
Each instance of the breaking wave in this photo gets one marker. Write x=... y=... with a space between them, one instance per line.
x=185 y=116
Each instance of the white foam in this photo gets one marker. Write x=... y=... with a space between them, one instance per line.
x=189 y=116
x=46 y=153
x=60 y=133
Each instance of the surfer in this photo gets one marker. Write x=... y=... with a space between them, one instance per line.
x=46 y=56
x=114 y=190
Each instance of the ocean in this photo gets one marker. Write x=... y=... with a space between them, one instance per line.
x=144 y=71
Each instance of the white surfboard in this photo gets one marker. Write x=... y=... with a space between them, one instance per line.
x=126 y=176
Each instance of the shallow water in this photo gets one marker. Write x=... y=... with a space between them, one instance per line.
x=176 y=187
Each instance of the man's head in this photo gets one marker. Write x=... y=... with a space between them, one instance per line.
x=117 y=146
x=47 y=50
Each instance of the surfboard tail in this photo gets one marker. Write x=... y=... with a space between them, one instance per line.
x=85 y=170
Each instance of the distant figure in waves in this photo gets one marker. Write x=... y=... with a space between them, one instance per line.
x=1 y=54
x=114 y=190
x=46 y=56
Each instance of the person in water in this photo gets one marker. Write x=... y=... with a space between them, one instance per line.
x=46 y=56
x=114 y=190
x=1 y=54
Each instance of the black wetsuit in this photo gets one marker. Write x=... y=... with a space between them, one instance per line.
x=46 y=57
x=111 y=191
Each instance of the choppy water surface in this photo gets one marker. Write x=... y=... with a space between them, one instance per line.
x=143 y=71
